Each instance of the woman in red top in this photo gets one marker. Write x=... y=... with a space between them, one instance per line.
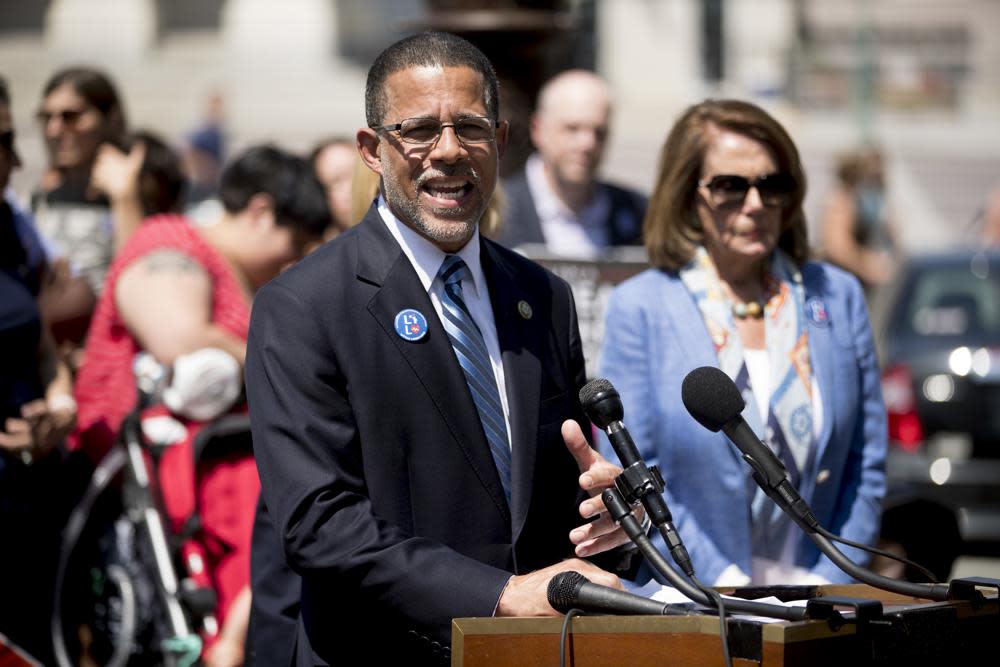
x=175 y=289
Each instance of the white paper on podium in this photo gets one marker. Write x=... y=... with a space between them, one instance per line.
x=670 y=595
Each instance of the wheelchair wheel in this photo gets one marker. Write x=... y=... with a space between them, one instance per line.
x=106 y=607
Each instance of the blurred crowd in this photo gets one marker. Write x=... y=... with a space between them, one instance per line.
x=129 y=244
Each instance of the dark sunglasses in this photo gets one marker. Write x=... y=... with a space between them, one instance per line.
x=7 y=140
x=68 y=117
x=730 y=190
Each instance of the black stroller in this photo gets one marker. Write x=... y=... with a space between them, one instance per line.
x=125 y=594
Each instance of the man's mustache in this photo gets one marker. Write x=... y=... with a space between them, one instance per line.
x=464 y=171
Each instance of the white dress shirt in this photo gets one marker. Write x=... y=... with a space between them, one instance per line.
x=579 y=235
x=426 y=259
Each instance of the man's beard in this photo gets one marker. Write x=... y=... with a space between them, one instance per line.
x=453 y=226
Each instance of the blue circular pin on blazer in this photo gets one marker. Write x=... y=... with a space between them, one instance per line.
x=816 y=311
x=411 y=325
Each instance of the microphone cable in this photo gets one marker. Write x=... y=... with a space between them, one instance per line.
x=723 y=626
x=564 y=634
x=623 y=516
x=649 y=550
x=639 y=483
x=879 y=552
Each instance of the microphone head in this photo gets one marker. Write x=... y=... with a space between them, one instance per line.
x=601 y=402
x=564 y=590
x=711 y=397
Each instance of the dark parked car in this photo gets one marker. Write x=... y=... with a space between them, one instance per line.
x=938 y=332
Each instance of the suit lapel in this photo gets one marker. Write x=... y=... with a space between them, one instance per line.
x=519 y=338
x=382 y=263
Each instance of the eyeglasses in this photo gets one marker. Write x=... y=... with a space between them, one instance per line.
x=69 y=117
x=427 y=131
x=730 y=190
x=7 y=140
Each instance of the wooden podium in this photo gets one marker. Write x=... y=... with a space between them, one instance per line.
x=908 y=631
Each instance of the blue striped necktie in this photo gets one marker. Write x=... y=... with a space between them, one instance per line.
x=470 y=348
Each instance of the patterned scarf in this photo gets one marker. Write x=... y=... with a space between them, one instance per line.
x=788 y=429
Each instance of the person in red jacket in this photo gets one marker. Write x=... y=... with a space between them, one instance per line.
x=173 y=291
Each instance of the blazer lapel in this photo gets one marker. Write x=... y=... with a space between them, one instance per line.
x=382 y=263
x=823 y=364
x=519 y=337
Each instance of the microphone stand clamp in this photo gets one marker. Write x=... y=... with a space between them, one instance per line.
x=637 y=481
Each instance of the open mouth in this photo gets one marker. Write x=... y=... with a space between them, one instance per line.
x=447 y=192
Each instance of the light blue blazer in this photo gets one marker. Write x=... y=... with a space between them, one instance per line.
x=655 y=335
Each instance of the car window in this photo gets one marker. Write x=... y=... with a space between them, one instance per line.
x=953 y=301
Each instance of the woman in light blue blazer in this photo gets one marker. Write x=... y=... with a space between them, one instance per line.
x=732 y=287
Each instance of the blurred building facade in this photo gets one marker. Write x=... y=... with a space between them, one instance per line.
x=911 y=74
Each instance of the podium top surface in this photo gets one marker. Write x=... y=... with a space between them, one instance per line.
x=607 y=640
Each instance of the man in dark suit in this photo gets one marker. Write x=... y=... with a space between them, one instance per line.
x=557 y=200
x=413 y=392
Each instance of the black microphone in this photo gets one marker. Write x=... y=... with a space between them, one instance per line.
x=715 y=402
x=713 y=399
x=603 y=406
x=637 y=482
x=572 y=590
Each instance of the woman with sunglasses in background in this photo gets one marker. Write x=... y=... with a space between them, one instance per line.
x=731 y=287
x=80 y=113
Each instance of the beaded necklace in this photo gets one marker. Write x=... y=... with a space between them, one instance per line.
x=750 y=309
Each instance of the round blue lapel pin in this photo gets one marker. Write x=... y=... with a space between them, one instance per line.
x=411 y=325
x=816 y=312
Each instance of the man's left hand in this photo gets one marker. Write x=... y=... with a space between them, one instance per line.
x=596 y=474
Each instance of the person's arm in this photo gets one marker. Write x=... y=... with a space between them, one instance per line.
x=599 y=535
x=863 y=486
x=840 y=246
x=64 y=297
x=165 y=300
x=56 y=376
x=228 y=649
x=526 y=595
x=625 y=361
x=44 y=422
x=116 y=175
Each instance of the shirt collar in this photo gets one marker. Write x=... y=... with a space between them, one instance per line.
x=550 y=207
x=547 y=203
x=426 y=257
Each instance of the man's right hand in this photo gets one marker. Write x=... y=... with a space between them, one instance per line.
x=527 y=594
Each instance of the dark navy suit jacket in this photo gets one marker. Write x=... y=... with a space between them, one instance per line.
x=374 y=468
x=521 y=224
